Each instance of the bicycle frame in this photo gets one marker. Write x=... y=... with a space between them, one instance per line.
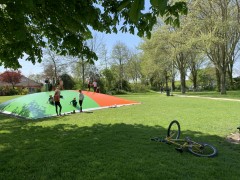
x=185 y=142
x=199 y=149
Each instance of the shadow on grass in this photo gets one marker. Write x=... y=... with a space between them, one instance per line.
x=31 y=110
x=117 y=151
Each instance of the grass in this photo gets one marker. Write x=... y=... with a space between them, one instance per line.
x=115 y=143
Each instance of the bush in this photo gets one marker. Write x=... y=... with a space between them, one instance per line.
x=236 y=83
x=139 y=88
x=78 y=85
x=118 y=92
x=12 y=92
x=125 y=85
x=2 y=92
x=23 y=91
x=6 y=91
x=39 y=90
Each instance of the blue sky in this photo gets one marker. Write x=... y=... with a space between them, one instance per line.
x=132 y=41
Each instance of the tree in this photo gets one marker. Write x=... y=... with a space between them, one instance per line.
x=217 y=23
x=120 y=56
x=37 y=78
x=195 y=62
x=67 y=81
x=168 y=50
x=104 y=57
x=109 y=78
x=156 y=62
x=53 y=66
x=12 y=77
x=133 y=68
x=95 y=44
x=82 y=66
x=27 y=26
x=207 y=78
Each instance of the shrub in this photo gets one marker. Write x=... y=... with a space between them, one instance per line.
x=23 y=91
x=137 y=88
x=125 y=85
x=12 y=91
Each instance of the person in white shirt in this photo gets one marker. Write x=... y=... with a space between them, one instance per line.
x=94 y=85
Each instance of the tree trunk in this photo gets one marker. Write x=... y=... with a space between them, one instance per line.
x=166 y=80
x=181 y=65
x=223 y=80
x=183 y=81
x=173 y=84
x=230 y=77
x=83 y=72
x=121 y=74
x=218 y=80
x=194 y=76
x=55 y=71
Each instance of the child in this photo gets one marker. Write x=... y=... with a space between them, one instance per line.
x=81 y=98
x=74 y=102
x=50 y=100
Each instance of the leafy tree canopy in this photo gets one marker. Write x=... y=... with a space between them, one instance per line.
x=27 y=26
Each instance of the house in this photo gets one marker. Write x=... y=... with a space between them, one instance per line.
x=25 y=82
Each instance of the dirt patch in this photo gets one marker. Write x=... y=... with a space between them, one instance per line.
x=234 y=138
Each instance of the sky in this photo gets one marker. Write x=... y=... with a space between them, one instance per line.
x=132 y=41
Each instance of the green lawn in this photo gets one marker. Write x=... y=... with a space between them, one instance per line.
x=115 y=143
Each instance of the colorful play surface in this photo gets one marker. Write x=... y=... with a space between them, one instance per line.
x=35 y=106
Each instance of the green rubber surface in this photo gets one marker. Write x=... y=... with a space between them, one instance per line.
x=34 y=106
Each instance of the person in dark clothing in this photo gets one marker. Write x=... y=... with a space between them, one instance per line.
x=74 y=102
x=51 y=100
x=89 y=85
x=57 y=103
x=81 y=98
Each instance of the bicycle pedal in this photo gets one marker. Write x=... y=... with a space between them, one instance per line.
x=179 y=150
x=155 y=139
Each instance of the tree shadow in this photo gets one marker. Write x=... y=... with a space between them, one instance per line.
x=107 y=151
x=30 y=110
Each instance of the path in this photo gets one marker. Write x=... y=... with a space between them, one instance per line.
x=223 y=99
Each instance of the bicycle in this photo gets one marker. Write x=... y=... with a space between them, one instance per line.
x=196 y=148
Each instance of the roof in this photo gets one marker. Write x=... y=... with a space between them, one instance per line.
x=25 y=82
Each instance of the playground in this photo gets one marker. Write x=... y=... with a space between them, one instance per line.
x=114 y=143
x=35 y=106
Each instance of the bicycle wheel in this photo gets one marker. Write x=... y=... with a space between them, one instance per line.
x=202 y=149
x=174 y=130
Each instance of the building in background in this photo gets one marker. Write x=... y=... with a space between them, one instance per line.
x=25 y=82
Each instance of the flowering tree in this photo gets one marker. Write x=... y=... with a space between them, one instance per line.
x=12 y=77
